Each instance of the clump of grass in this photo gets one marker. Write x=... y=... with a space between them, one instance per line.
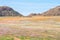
x=36 y=38
x=26 y=38
x=6 y=38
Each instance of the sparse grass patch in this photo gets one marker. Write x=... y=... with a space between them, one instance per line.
x=6 y=38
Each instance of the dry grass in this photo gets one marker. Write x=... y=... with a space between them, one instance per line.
x=33 y=18
x=39 y=26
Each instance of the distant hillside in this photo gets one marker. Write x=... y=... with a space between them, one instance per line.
x=34 y=14
x=7 y=11
x=52 y=12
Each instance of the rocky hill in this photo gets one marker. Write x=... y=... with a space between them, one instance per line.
x=52 y=12
x=7 y=11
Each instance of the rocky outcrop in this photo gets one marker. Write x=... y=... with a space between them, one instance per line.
x=7 y=11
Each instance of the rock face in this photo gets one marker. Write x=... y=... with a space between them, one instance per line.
x=7 y=11
x=52 y=12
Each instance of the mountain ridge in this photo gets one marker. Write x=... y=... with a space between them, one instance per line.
x=7 y=11
x=51 y=12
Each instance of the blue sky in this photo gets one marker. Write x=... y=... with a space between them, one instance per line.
x=26 y=7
